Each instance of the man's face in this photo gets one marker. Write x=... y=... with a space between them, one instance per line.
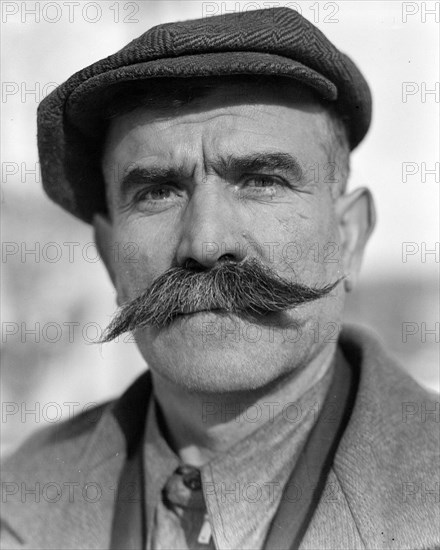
x=186 y=188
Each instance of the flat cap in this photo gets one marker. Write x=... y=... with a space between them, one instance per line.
x=274 y=41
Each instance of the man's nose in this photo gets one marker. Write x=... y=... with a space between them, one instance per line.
x=210 y=230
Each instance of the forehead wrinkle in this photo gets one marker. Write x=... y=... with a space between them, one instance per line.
x=195 y=118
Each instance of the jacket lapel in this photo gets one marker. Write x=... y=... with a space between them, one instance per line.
x=82 y=517
x=364 y=504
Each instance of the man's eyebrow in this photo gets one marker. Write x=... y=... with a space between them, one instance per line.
x=257 y=162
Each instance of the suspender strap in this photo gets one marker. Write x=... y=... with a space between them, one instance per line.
x=128 y=528
x=306 y=483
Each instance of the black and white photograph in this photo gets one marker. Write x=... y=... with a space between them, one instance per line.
x=220 y=299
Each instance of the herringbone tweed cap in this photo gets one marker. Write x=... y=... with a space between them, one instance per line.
x=276 y=41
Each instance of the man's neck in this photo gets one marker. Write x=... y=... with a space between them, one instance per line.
x=199 y=426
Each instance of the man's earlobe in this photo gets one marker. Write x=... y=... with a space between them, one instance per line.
x=356 y=219
x=103 y=232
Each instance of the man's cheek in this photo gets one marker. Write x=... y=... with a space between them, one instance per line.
x=133 y=277
x=311 y=260
x=136 y=258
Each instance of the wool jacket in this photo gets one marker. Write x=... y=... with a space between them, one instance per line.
x=382 y=491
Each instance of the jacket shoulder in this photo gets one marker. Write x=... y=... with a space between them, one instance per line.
x=61 y=482
x=387 y=461
x=66 y=438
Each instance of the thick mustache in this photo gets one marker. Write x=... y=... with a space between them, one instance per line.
x=248 y=288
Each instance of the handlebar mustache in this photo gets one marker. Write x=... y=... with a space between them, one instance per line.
x=248 y=288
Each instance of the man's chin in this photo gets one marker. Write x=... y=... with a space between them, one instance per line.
x=216 y=371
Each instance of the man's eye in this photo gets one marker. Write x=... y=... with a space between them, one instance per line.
x=155 y=198
x=261 y=181
x=157 y=194
x=264 y=187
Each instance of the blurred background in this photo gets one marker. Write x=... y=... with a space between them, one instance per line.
x=56 y=297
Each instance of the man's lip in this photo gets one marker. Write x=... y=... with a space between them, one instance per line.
x=193 y=311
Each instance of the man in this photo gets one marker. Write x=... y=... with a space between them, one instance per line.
x=221 y=148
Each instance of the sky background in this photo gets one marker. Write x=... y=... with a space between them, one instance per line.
x=392 y=42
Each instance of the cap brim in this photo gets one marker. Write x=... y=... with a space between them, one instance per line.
x=82 y=102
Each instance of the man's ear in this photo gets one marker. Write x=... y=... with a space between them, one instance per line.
x=103 y=231
x=356 y=219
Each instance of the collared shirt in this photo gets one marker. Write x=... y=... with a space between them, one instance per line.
x=241 y=488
